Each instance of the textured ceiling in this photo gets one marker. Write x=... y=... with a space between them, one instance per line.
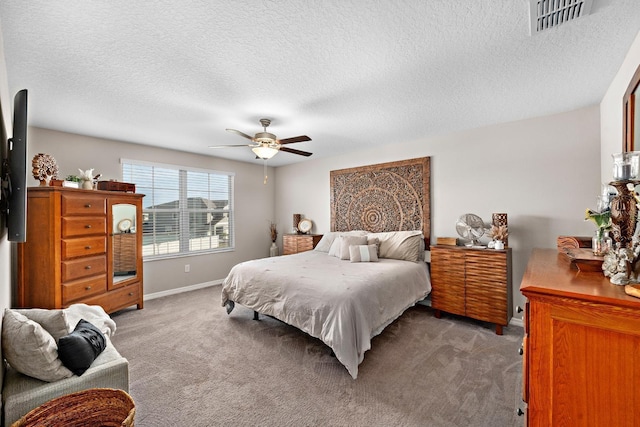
x=350 y=74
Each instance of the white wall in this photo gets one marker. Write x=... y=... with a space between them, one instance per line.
x=542 y=172
x=611 y=110
x=254 y=201
x=6 y=110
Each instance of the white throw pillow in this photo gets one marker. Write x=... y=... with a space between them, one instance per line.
x=363 y=253
x=53 y=321
x=325 y=242
x=30 y=349
x=340 y=246
x=324 y=245
x=93 y=314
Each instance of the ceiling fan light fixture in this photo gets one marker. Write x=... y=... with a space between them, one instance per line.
x=264 y=152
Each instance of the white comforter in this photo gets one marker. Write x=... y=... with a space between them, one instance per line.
x=343 y=304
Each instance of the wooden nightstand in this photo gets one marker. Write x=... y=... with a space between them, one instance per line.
x=294 y=243
x=471 y=282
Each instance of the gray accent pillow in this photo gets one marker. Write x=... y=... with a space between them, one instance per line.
x=403 y=245
x=30 y=349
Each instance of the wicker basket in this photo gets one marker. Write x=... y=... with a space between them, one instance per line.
x=94 y=407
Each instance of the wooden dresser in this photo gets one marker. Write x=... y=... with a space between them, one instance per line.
x=581 y=347
x=74 y=252
x=472 y=282
x=294 y=243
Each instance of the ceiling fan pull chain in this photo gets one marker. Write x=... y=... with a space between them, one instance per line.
x=265 y=173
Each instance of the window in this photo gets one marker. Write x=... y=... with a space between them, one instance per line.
x=185 y=210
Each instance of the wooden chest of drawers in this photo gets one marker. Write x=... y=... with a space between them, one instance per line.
x=71 y=250
x=580 y=348
x=472 y=282
x=294 y=243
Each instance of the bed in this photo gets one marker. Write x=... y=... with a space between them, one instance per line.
x=342 y=303
x=355 y=282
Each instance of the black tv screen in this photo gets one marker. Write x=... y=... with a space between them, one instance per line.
x=17 y=172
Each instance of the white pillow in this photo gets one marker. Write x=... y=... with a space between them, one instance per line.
x=53 y=321
x=340 y=246
x=325 y=242
x=328 y=238
x=30 y=349
x=403 y=245
x=363 y=253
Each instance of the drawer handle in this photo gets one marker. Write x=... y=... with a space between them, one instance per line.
x=87 y=247
x=88 y=288
x=88 y=205
x=130 y=294
x=521 y=351
x=519 y=309
x=87 y=226
x=88 y=267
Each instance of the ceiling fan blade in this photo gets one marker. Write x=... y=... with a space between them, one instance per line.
x=291 y=150
x=301 y=138
x=227 y=146
x=240 y=133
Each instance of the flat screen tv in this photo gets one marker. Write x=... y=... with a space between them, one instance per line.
x=15 y=172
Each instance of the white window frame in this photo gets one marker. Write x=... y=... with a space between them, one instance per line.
x=183 y=211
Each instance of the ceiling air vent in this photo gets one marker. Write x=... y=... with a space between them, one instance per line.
x=546 y=14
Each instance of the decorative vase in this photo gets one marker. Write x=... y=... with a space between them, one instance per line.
x=624 y=214
x=273 y=250
x=45 y=182
x=87 y=185
x=601 y=243
x=296 y=221
x=499 y=245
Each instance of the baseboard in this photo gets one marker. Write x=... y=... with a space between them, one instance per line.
x=516 y=322
x=181 y=290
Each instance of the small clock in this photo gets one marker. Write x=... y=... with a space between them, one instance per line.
x=125 y=225
x=305 y=225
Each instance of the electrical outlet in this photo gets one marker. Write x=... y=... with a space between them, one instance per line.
x=187 y=268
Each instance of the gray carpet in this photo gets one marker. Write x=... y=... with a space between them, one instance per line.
x=193 y=365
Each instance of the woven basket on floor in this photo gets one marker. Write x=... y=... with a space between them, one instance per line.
x=94 y=407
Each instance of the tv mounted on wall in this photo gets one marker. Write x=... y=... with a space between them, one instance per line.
x=14 y=173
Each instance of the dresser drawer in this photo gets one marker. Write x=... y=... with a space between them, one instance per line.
x=117 y=299
x=74 y=248
x=79 y=289
x=83 y=226
x=83 y=267
x=83 y=204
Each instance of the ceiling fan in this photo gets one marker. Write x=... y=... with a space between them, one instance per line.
x=265 y=145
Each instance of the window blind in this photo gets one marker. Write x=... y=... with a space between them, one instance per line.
x=185 y=210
